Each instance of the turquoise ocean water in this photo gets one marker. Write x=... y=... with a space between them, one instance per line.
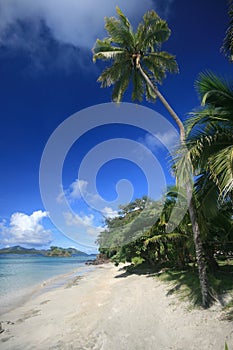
x=21 y=276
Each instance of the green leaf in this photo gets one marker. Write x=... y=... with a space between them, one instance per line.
x=123 y=18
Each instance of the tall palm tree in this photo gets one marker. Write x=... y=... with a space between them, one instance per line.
x=136 y=57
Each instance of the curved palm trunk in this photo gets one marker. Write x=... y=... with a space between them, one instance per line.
x=201 y=263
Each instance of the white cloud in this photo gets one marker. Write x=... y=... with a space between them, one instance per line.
x=165 y=7
x=159 y=140
x=61 y=197
x=78 y=192
x=70 y=21
x=75 y=191
x=25 y=229
x=31 y=25
x=78 y=220
x=84 y=223
x=109 y=212
x=94 y=231
x=77 y=188
x=81 y=222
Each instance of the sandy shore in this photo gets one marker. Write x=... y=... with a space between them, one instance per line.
x=108 y=310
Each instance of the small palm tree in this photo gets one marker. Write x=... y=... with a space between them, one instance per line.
x=136 y=57
x=174 y=244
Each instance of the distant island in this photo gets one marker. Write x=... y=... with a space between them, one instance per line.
x=53 y=251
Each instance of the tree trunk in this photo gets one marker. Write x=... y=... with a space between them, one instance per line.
x=201 y=263
x=211 y=261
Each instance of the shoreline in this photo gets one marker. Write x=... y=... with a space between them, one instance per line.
x=32 y=291
x=107 y=309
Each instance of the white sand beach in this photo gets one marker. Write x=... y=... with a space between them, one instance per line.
x=108 y=310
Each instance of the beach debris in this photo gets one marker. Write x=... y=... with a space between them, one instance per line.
x=1 y=329
x=74 y=282
x=45 y=302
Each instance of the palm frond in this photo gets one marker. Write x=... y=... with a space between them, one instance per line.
x=107 y=55
x=165 y=238
x=124 y=19
x=212 y=154
x=160 y=63
x=119 y=31
x=203 y=145
x=138 y=86
x=209 y=132
x=152 y=32
x=214 y=90
x=121 y=84
x=183 y=166
x=163 y=59
x=207 y=195
x=221 y=167
x=205 y=119
x=104 y=50
x=227 y=47
x=113 y=73
x=150 y=94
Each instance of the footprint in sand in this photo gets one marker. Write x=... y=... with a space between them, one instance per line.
x=44 y=302
x=29 y=314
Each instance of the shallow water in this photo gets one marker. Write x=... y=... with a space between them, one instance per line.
x=22 y=275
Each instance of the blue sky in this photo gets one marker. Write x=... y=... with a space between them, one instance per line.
x=47 y=75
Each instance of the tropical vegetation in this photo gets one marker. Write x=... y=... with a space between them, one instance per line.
x=205 y=235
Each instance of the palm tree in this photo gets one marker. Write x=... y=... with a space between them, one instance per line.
x=136 y=57
x=129 y=51
x=209 y=146
x=227 y=46
x=210 y=132
x=175 y=244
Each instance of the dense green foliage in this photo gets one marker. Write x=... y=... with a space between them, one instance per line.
x=139 y=234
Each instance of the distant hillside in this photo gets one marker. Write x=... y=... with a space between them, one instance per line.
x=53 y=251
x=58 y=251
